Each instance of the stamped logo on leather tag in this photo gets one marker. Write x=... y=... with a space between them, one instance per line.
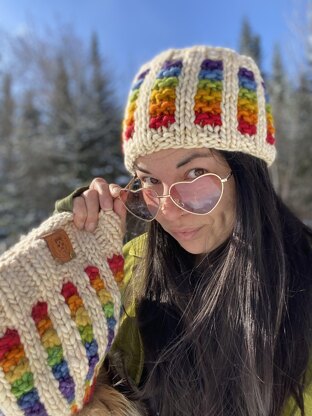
x=60 y=246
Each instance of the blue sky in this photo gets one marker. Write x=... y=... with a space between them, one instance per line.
x=132 y=31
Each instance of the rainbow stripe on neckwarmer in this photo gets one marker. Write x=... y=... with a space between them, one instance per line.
x=80 y=316
x=116 y=265
x=163 y=95
x=247 y=103
x=129 y=124
x=16 y=368
x=106 y=300
x=208 y=96
x=53 y=347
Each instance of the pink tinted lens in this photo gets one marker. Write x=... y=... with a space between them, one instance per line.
x=142 y=203
x=199 y=196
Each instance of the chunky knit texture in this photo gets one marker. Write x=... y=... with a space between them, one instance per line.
x=57 y=320
x=198 y=97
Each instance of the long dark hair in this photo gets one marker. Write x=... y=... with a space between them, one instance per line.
x=230 y=335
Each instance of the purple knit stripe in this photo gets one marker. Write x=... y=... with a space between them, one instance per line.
x=67 y=388
x=172 y=64
x=143 y=74
x=110 y=337
x=92 y=365
x=244 y=72
x=212 y=64
x=93 y=360
x=36 y=410
x=139 y=81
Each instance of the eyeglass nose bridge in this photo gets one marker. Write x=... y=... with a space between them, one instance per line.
x=176 y=201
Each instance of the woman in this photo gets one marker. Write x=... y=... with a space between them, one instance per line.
x=218 y=305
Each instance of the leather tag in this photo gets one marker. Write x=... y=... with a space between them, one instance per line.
x=60 y=246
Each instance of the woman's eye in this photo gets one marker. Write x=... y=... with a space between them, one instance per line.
x=150 y=181
x=195 y=173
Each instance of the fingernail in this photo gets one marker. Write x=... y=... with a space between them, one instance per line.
x=114 y=189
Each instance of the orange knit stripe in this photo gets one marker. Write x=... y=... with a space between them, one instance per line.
x=74 y=303
x=44 y=325
x=166 y=107
x=12 y=358
x=98 y=283
x=204 y=108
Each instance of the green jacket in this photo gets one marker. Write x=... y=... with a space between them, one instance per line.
x=128 y=340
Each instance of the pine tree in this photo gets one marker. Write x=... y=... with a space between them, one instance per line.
x=62 y=113
x=30 y=115
x=303 y=172
x=6 y=121
x=99 y=135
x=280 y=93
x=250 y=44
x=7 y=107
x=61 y=125
x=62 y=129
x=7 y=165
x=302 y=102
x=309 y=44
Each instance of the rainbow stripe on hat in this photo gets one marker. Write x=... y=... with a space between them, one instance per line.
x=269 y=118
x=163 y=95
x=247 y=103
x=128 y=125
x=16 y=368
x=208 y=96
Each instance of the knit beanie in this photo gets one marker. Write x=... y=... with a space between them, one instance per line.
x=59 y=313
x=198 y=97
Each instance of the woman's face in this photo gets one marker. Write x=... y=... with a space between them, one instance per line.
x=197 y=234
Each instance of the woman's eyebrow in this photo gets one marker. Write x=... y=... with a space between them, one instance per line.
x=192 y=157
x=137 y=167
x=183 y=162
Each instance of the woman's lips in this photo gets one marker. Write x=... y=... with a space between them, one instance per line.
x=186 y=234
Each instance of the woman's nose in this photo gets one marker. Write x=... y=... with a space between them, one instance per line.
x=169 y=209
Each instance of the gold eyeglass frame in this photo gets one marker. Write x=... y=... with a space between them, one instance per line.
x=222 y=180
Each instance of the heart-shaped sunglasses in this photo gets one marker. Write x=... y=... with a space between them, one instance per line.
x=199 y=196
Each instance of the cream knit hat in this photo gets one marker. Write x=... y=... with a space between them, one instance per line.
x=59 y=312
x=198 y=97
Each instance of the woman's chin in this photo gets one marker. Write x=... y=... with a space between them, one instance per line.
x=200 y=247
x=193 y=247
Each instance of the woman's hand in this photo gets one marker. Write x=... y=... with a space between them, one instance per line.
x=99 y=196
